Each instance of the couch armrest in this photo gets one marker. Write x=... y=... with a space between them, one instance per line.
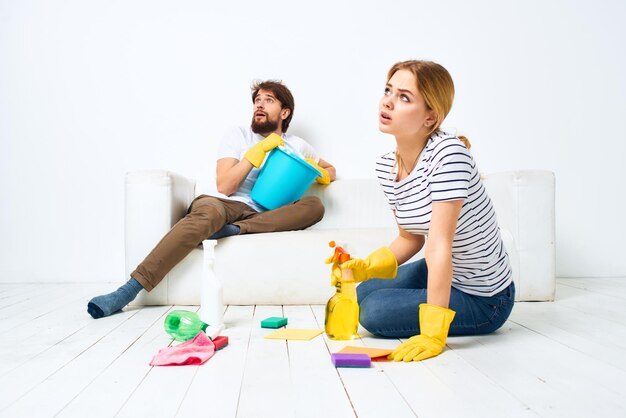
x=155 y=201
x=524 y=205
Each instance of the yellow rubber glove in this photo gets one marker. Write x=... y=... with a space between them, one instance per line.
x=325 y=177
x=335 y=274
x=256 y=153
x=434 y=326
x=339 y=257
x=381 y=264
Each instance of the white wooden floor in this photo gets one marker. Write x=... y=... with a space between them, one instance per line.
x=561 y=359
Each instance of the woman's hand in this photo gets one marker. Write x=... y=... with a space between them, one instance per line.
x=434 y=326
x=381 y=264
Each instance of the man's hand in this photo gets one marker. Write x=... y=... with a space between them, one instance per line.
x=434 y=326
x=381 y=264
x=325 y=177
x=256 y=153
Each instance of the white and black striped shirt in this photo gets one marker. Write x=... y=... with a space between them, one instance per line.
x=446 y=171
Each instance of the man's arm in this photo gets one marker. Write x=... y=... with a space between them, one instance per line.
x=231 y=172
x=328 y=167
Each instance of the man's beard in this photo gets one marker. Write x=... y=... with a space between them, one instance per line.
x=264 y=127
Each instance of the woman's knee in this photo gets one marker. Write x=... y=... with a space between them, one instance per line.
x=367 y=317
x=391 y=313
x=364 y=289
x=413 y=275
x=372 y=314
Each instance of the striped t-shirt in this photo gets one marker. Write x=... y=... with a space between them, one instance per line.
x=446 y=171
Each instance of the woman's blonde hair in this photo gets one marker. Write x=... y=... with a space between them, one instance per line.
x=435 y=85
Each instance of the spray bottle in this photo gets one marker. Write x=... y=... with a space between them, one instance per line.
x=183 y=325
x=211 y=296
x=342 y=310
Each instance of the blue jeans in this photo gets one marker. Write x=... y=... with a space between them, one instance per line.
x=390 y=308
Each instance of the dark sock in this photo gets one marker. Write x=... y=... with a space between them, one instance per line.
x=226 y=231
x=105 y=305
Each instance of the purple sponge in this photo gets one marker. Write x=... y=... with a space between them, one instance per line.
x=351 y=360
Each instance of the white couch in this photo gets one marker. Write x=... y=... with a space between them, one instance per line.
x=288 y=267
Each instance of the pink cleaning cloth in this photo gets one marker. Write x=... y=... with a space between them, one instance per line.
x=195 y=351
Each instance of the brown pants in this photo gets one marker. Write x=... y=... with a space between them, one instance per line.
x=207 y=215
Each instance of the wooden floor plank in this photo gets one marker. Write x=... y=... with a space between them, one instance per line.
x=10 y=293
x=266 y=380
x=111 y=389
x=587 y=334
x=361 y=383
x=42 y=333
x=316 y=386
x=19 y=381
x=215 y=387
x=587 y=326
x=6 y=287
x=610 y=308
x=608 y=287
x=35 y=296
x=166 y=385
x=58 y=389
x=53 y=298
x=541 y=363
x=433 y=388
x=546 y=376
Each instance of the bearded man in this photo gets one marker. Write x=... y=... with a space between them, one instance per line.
x=240 y=156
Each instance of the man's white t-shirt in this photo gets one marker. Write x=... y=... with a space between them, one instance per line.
x=236 y=142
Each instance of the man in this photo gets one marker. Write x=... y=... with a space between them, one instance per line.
x=241 y=153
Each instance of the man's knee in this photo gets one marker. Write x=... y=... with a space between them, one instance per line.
x=312 y=208
x=207 y=207
x=206 y=214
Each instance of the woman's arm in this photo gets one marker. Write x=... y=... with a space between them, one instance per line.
x=406 y=245
x=383 y=263
x=439 y=250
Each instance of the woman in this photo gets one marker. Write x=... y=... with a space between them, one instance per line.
x=464 y=285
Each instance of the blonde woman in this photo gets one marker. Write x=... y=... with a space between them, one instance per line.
x=464 y=285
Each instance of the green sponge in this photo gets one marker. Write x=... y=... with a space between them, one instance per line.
x=273 y=322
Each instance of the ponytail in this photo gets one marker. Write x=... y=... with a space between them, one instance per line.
x=465 y=141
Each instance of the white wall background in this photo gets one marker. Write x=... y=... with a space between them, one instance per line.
x=92 y=89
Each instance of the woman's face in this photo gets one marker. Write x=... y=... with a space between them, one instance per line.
x=402 y=110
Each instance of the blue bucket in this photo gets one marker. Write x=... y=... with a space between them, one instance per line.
x=283 y=179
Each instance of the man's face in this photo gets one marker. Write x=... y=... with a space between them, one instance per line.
x=268 y=114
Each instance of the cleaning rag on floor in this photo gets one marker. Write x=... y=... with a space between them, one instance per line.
x=195 y=351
